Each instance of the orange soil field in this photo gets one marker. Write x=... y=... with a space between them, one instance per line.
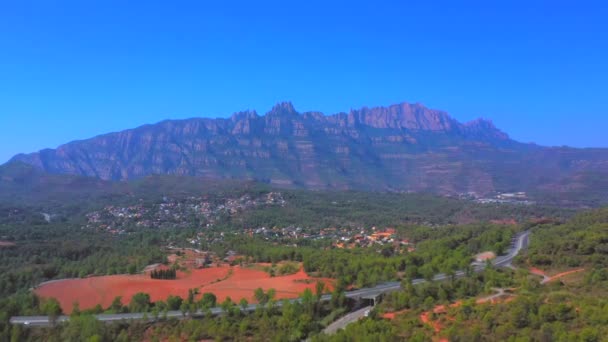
x=241 y=283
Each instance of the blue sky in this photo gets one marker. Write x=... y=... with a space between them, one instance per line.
x=74 y=69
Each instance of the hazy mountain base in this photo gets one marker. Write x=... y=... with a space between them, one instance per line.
x=23 y=185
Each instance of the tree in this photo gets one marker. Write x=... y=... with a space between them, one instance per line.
x=260 y=296
x=174 y=302
x=190 y=296
x=243 y=303
x=123 y=336
x=227 y=305
x=52 y=308
x=208 y=300
x=140 y=302
x=16 y=333
x=82 y=328
x=319 y=289
x=338 y=298
x=132 y=269
x=184 y=308
x=116 y=306
x=271 y=294
x=75 y=309
x=308 y=301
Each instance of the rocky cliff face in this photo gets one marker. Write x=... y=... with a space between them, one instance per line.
x=404 y=147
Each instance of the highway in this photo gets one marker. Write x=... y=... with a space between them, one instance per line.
x=520 y=242
x=346 y=320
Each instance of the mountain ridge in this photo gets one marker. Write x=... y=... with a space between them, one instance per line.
x=401 y=147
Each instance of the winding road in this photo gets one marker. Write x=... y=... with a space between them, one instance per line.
x=520 y=242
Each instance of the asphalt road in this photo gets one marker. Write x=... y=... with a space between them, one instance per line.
x=346 y=320
x=520 y=242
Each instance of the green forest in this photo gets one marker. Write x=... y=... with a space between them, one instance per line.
x=564 y=310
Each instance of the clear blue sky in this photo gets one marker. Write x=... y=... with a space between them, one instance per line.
x=74 y=69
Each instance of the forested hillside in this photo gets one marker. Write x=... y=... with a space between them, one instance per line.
x=566 y=306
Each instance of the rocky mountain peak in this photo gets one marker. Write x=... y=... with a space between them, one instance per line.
x=248 y=114
x=405 y=115
x=405 y=147
x=282 y=109
x=485 y=127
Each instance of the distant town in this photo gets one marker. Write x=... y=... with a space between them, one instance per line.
x=173 y=213
x=520 y=198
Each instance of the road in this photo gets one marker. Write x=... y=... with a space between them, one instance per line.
x=520 y=242
x=346 y=320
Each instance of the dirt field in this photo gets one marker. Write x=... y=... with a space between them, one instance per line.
x=6 y=243
x=224 y=281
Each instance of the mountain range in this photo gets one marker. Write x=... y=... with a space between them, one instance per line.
x=402 y=147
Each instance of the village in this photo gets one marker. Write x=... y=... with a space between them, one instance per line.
x=342 y=238
x=176 y=213
x=203 y=213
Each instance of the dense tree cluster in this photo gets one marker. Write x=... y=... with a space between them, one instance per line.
x=581 y=241
x=166 y=274
x=53 y=251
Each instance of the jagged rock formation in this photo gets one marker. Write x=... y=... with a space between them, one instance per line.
x=403 y=147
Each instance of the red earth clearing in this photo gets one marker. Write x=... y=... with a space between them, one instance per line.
x=223 y=281
x=425 y=317
x=393 y=314
x=442 y=310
